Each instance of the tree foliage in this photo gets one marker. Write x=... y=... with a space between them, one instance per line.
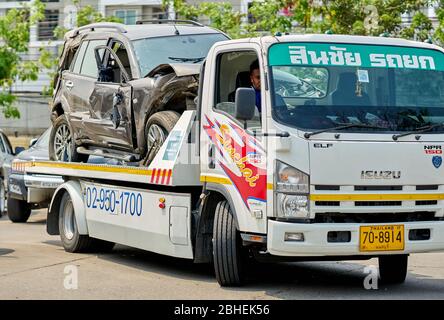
x=358 y=17
x=14 y=36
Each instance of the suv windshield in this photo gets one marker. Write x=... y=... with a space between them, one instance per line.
x=382 y=88
x=151 y=52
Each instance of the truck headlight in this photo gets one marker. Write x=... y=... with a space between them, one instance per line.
x=293 y=206
x=292 y=192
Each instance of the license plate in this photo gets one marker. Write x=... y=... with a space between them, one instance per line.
x=381 y=238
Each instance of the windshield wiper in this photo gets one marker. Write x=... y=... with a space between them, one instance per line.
x=342 y=126
x=419 y=130
x=194 y=60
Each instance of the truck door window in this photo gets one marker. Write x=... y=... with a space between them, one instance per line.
x=233 y=72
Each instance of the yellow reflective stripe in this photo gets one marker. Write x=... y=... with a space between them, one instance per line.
x=213 y=179
x=220 y=180
x=92 y=167
x=376 y=197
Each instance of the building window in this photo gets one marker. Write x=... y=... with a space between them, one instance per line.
x=127 y=16
x=47 y=25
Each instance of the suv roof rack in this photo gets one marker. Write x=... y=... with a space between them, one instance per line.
x=162 y=21
x=100 y=25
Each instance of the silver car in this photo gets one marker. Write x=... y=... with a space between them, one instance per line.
x=6 y=156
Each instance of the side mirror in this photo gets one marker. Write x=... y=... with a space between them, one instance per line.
x=245 y=104
x=32 y=142
x=18 y=150
x=115 y=115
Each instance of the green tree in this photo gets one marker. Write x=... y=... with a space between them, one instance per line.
x=85 y=15
x=14 y=36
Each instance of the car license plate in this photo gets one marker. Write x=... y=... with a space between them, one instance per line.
x=381 y=238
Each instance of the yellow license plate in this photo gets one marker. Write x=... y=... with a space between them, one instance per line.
x=381 y=238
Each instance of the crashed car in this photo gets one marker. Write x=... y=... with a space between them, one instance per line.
x=120 y=89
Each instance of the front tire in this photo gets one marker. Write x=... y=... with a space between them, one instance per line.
x=61 y=143
x=18 y=210
x=227 y=250
x=393 y=269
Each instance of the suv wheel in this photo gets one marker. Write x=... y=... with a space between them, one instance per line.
x=157 y=128
x=61 y=143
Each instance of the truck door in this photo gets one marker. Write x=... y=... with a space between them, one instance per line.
x=233 y=158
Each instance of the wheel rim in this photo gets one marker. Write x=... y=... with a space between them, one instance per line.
x=63 y=143
x=69 y=222
x=156 y=136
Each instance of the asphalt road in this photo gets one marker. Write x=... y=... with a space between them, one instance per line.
x=33 y=265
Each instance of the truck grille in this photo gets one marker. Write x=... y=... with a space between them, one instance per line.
x=383 y=217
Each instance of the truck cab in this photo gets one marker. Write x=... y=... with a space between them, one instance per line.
x=344 y=158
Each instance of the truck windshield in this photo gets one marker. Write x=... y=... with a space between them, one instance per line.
x=151 y=52
x=384 y=88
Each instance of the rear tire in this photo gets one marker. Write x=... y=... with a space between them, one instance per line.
x=227 y=250
x=393 y=269
x=18 y=210
x=61 y=143
x=72 y=241
x=157 y=128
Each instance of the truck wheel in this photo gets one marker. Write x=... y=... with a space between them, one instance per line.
x=393 y=269
x=71 y=239
x=157 y=128
x=18 y=210
x=61 y=143
x=227 y=251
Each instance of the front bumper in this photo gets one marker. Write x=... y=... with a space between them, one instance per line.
x=41 y=187
x=16 y=187
x=315 y=239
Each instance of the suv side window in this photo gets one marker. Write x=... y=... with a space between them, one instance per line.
x=2 y=145
x=89 y=65
x=7 y=144
x=77 y=62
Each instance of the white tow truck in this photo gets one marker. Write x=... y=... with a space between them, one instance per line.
x=340 y=159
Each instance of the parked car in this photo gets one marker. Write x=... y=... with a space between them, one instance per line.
x=120 y=89
x=20 y=202
x=6 y=156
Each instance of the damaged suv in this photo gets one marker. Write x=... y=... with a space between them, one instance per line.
x=120 y=89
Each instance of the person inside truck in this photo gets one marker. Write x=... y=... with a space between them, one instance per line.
x=255 y=79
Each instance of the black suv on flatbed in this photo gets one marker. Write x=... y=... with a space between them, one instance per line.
x=120 y=89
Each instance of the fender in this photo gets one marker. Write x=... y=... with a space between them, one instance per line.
x=75 y=192
x=219 y=188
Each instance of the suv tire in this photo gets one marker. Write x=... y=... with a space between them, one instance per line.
x=61 y=143
x=157 y=128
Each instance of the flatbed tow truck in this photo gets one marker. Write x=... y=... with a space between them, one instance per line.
x=310 y=178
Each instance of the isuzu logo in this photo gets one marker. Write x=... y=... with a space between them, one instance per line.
x=371 y=174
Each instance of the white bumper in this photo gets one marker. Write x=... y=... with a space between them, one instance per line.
x=316 y=244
